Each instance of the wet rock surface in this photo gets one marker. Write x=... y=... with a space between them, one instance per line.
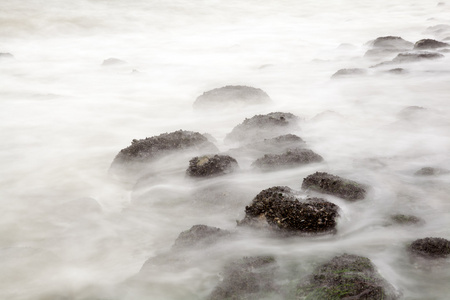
x=429 y=44
x=334 y=185
x=147 y=149
x=211 y=165
x=430 y=247
x=232 y=94
x=262 y=127
x=290 y=159
x=279 y=209
x=349 y=72
x=248 y=278
x=429 y=171
x=346 y=277
x=401 y=219
x=199 y=236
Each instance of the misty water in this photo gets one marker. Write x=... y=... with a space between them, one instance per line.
x=70 y=230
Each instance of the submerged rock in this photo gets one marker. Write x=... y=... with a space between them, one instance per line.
x=346 y=277
x=232 y=94
x=262 y=127
x=148 y=149
x=211 y=165
x=349 y=72
x=279 y=209
x=113 y=62
x=334 y=185
x=401 y=219
x=282 y=142
x=391 y=42
x=397 y=71
x=413 y=57
x=248 y=278
x=429 y=171
x=5 y=55
x=429 y=44
x=199 y=236
x=430 y=247
x=290 y=159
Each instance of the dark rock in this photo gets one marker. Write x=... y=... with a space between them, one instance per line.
x=429 y=44
x=392 y=42
x=290 y=159
x=346 y=277
x=5 y=55
x=349 y=72
x=112 y=62
x=413 y=57
x=211 y=165
x=334 y=185
x=232 y=94
x=262 y=127
x=279 y=209
x=428 y=171
x=248 y=278
x=401 y=219
x=148 y=149
x=430 y=247
x=199 y=236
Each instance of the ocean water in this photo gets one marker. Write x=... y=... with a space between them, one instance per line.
x=69 y=230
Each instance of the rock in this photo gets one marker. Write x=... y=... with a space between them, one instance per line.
x=232 y=94
x=199 y=236
x=413 y=57
x=148 y=149
x=262 y=127
x=211 y=165
x=391 y=42
x=290 y=159
x=335 y=185
x=428 y=171
x=349 y=72
x=346 y=277
x=430 y=247
x=282 y=142
x=248 y=278
x=112 y=62
x=411 y=112
x=401 y=219
x=5 y=55
x=397 y=71
x=278 y=208
x=429 y=44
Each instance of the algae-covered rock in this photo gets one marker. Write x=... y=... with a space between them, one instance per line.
x=334 y=185
x=262 y=127
x=290 y=159
x=346 y=277
x=429 y=171
x=211 y=165
x=402 y=219
x=429 y=44
x=231 y=94
x=278 y=208
x=247 y=278
x=199 y=236
x=148 y=149
x=430 y=247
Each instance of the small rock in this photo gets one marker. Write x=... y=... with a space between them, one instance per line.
x=112 y=62
x=349 y=72
x=211 y=165
x=278 y=208
x=248 y=278
x=231 y=94
x=335 y=185
x=430 y=247
x=397 y=71
x=391 y=42
x=346 y=277
x=199 y=236
x=428 y=171
x=290 y=159
x=401 y=219
x=262 y=127
x=429 y=44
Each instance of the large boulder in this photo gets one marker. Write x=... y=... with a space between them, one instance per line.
x=290 y=159
x=199 y=237
x=148 y=149
x=231 y=94
x=247 y=278
x=346 y=277
x=211 y=165
x=262 y=127
x=430 y=247
x=334 y=185
x=278 y=209
x=429 y=44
